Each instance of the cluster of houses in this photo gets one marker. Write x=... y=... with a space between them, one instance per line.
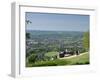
x=67 y=53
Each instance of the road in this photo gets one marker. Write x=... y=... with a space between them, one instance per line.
x=73 y=56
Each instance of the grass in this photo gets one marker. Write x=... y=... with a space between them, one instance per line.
x=78 y=60
x=50 y=54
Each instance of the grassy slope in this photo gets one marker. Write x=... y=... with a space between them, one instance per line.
x=78 y=60
x=81 y=59
x=50 y=54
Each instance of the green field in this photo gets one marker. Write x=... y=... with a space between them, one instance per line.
x=78 y=60
x=50 y=54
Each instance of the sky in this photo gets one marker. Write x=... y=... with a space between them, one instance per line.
x=57 y=22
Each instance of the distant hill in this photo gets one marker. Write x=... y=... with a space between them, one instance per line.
x=55 y=34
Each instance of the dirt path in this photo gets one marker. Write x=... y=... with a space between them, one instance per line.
x=73 y=56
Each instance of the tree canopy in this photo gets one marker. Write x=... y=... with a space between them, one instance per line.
x=86 y=40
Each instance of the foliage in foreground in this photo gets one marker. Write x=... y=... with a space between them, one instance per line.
x=79 y=60
x=86 y=40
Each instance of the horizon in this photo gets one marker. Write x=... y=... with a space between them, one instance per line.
x=54 y=30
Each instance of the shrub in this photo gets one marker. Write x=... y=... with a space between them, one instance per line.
x=56 y=62
x=32 y=58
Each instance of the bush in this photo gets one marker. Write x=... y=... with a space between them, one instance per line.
x=56 y=62
x=32 y=58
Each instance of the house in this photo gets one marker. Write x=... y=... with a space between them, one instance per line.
x=67 y=53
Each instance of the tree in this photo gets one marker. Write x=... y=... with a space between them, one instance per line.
x=86 y=40
x=27 y=35
x=32 y=58
x=28 y=22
